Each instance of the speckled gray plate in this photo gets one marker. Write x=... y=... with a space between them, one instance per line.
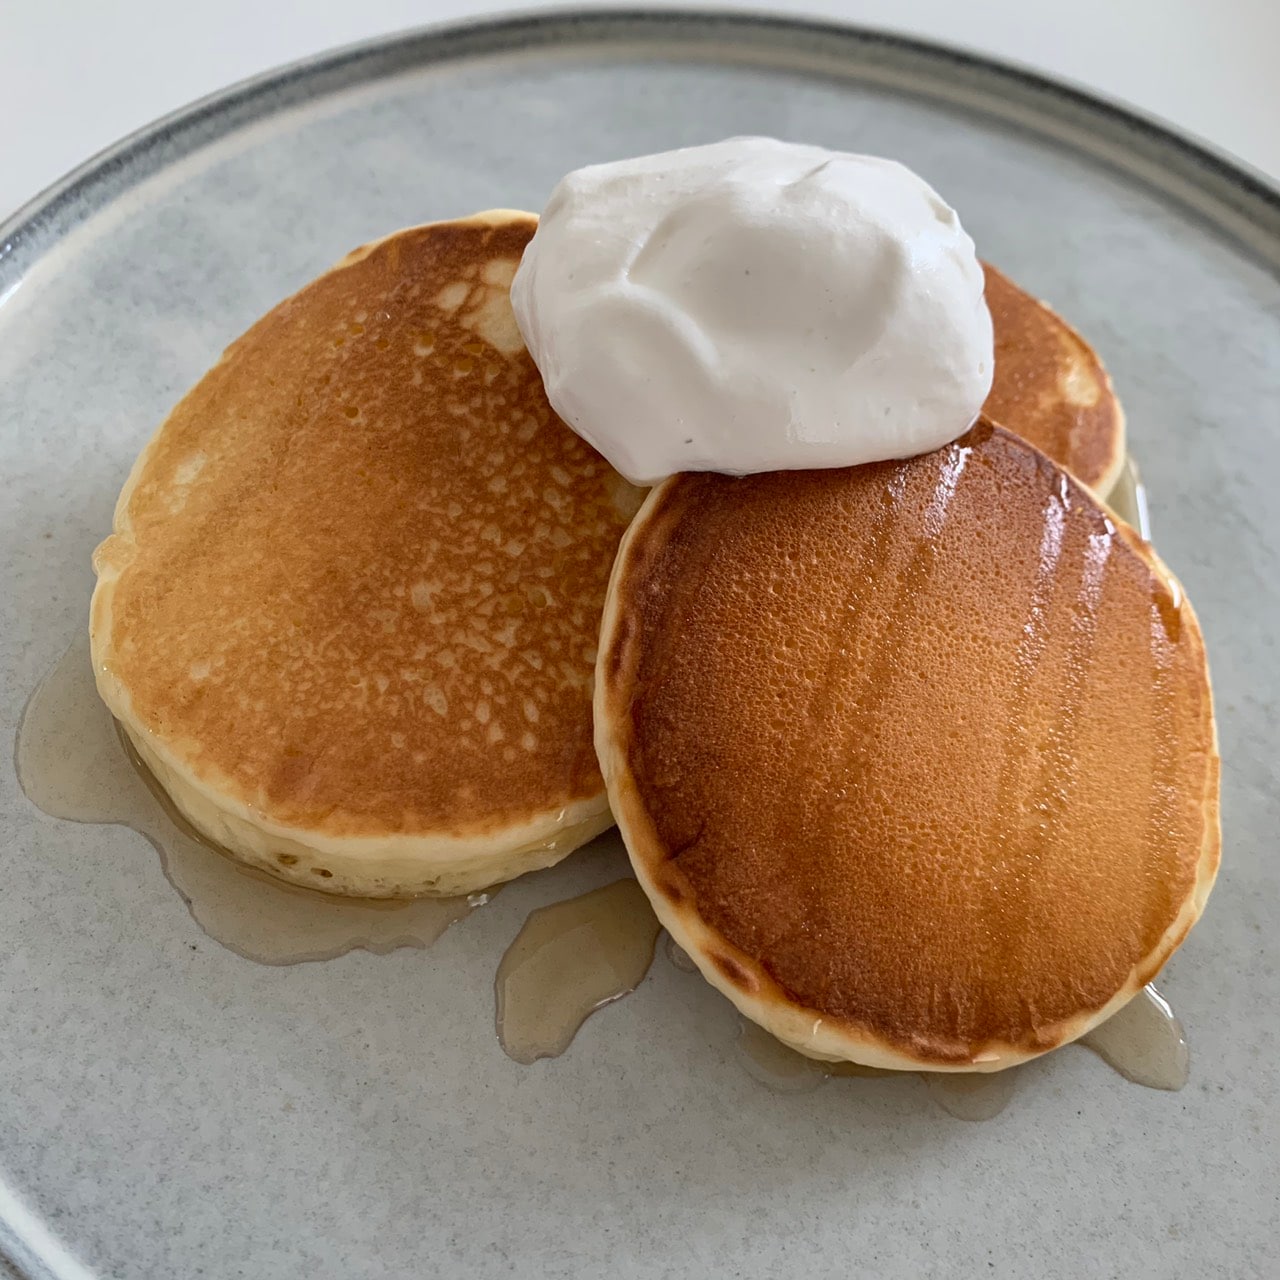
x=168 y=1109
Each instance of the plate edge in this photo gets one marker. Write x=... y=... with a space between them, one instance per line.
x=38 y=224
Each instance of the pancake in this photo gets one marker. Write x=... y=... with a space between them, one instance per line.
x=349 y=609
x=916 y=760
x=1050 y=387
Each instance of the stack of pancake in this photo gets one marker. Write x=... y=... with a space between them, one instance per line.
x=916 y=760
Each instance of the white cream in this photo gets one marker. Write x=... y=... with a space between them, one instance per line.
x=755 y=305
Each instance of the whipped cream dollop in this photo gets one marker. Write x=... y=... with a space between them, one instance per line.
x=754 y=305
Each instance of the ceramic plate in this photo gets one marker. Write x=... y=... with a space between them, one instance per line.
x=169 y=1108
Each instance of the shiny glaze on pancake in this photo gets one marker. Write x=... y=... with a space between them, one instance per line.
x=1050 y=387
x=356 y=578
x=917 y=759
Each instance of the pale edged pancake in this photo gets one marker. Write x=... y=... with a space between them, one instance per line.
x=349 y=610
x=916 y=760
x=1050 y=387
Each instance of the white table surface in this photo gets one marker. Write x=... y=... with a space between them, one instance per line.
x=75 y=75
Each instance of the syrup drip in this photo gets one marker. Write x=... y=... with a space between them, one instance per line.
x=679 y=957
x=773 y=1064
x=1128 y=499
x=1144 y=1042
x=75 y=763
x=975 y=1096
x=967 y=1096
x=971 y=1095
x=569 y=960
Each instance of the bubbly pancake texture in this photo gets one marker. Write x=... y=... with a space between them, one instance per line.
x=917 y=760
x=349 y=609
x=1050 y=387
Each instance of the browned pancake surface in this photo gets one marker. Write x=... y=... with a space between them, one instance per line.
x=1050 y=387
x=928 y=741
x=363 y=564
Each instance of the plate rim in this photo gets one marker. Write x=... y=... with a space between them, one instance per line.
x=1238 y=199
x=38 y=226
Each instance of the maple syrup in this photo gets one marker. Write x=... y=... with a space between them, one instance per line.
x=74 y=762
x=570 y=959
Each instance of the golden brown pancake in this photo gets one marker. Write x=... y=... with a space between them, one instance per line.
x=349 y=610
x=1050 y=387
x=917 y=759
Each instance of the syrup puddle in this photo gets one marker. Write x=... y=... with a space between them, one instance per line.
x=679 y=956
x=770 y=1062
x=971 y=1095
x=1144 y=1042
x=569 y=960
x=74 y=763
